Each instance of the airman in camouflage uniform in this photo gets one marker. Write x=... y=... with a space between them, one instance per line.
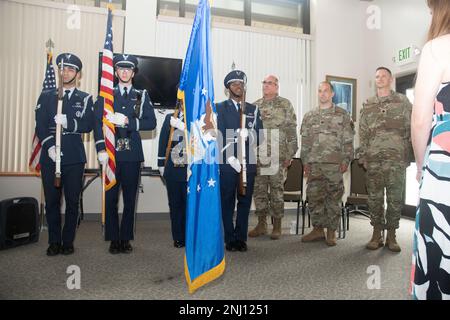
x=275 y=156
x=327 y=149
x=385 y=148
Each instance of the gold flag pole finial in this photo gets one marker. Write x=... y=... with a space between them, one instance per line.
x=233 y=66
x=110 y=6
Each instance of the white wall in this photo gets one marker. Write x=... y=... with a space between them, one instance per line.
x=345 y=46
x=140 y=26
x=338 y=46
x=403 y=23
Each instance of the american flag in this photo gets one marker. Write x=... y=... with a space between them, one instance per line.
x=107 y=92
x=48 y=85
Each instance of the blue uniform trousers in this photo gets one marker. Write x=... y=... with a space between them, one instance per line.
x=127 y=177
x=176 y=192
x=71 y=182
x=229 y=186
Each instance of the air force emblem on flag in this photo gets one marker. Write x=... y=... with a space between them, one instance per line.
x=204 y=132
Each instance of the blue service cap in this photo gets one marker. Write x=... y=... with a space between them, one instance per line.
x=125 y=61
x=70 y=60
x=235 y=75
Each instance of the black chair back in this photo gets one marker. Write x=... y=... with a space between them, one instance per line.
x=294 y=180
x=358 y=178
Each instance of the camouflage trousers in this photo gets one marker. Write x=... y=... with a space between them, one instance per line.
x=390 y=175
x=324 y=193
x=269 y=193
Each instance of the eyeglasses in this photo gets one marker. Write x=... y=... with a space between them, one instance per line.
x=124 y=69
x=269 y=82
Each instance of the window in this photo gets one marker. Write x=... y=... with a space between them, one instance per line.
x=169 y=8
x=289 y=15
x=280 y=12
x=118 y=4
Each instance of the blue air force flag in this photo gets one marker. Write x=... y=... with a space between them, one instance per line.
x=204 y=256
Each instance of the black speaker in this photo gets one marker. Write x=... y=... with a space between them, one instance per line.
x=19 y=222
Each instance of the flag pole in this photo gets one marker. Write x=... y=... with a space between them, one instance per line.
x=103 y=199
x=110 y=9
x=103 y=168
x=49 y=45
x=42 y=208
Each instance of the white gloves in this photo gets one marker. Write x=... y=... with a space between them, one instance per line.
x=177 y=123
x=234 y=163
x=243 y=133
x=61 y=119
x=103 y=158
x=52 y=153
x=161 y=171
x=209 y=137
x=119 y=119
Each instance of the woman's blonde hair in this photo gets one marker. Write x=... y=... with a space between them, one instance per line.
x=440 y=22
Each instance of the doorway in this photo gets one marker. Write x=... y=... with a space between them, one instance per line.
x=405 y=85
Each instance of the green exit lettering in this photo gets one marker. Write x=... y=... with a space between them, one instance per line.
x=404 y=54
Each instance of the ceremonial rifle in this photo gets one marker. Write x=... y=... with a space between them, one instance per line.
x=59 y=127
x=241 y=145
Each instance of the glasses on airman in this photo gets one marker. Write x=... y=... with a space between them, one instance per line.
x=269 y=83
x=129 y=69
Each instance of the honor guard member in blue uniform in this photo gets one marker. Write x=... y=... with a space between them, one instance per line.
x=76 y=118
x=229 y=125
x=173 y=169
x=133 y=112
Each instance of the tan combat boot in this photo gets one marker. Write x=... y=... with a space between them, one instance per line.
x=260 y=229
x=377 y=239
x=391 y=242
x=276 y=232
x=331 y=237
x=316 y=234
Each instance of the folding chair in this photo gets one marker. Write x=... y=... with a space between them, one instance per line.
x=293 y=188
x=358 y=198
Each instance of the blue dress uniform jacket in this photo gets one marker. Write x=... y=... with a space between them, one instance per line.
x=78 y=110
x=128 y=162
x=144 y=120
x=229 y=119
x=175 y=178
x=171 y=172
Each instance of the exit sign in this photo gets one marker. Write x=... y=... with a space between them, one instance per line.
x=406 y=55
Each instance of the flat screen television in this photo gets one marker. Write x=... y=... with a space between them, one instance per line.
x=159 y=76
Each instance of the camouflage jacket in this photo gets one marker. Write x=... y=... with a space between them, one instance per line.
x=385 y=129
x=278 y=114
x=327 y=136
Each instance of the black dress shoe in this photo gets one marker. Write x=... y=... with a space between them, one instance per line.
x=241 y=246
x=67 y=249
x=125 y=246
x=54 y=249
x=230 y=246
x=114 y=247
x=178 y=244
